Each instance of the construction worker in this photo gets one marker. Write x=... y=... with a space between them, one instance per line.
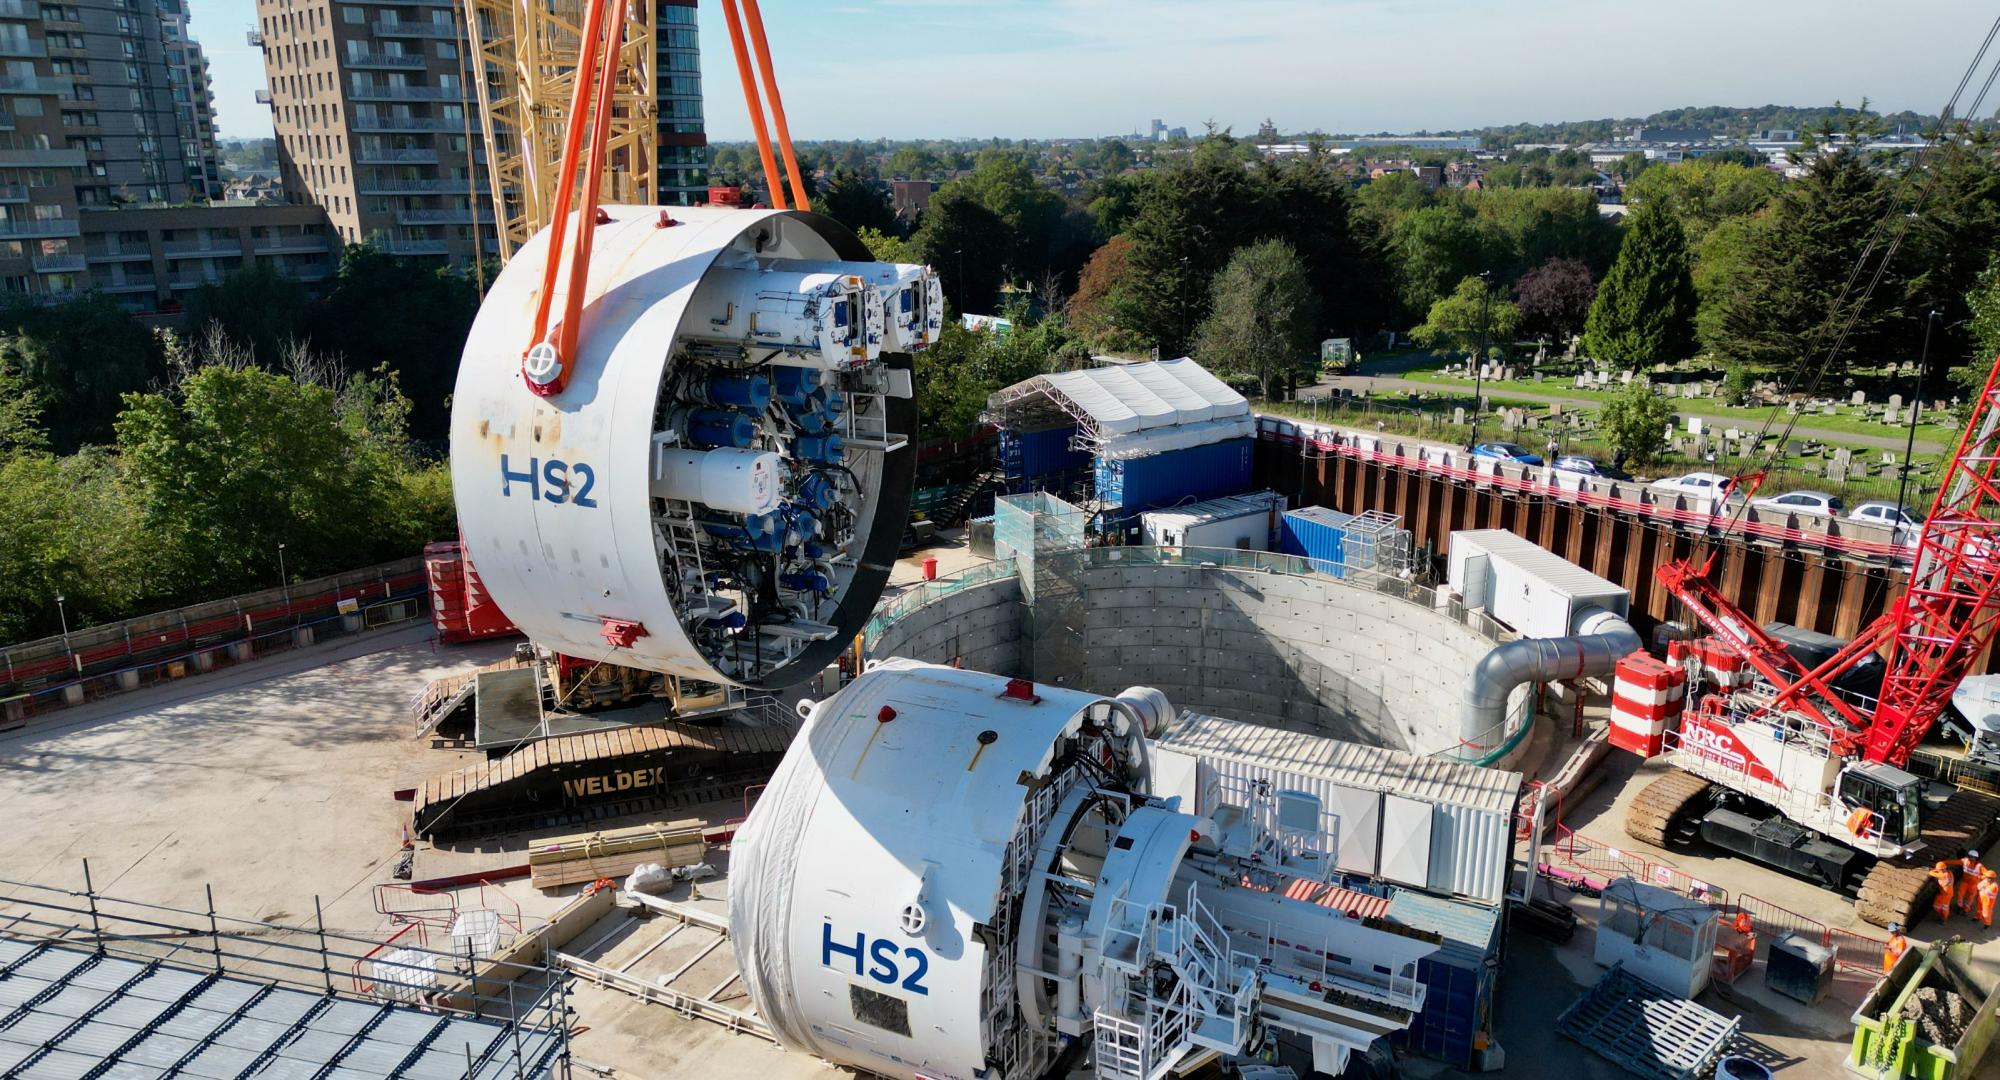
x=1989 y=891
x=1947 y=887
x=1896 y=946
x=1969 y=875
x=1859 y=822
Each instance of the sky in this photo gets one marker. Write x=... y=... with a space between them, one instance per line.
x=897 y=69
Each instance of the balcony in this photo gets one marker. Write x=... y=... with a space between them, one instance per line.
x=442 y=31
x=414 y=187
x=195 y=249
x=263 y=97
x=6 y=121
x=276 y=244
x=22 y=48
x=442 y=216
x=383 y=60
x=59 y=85
x=71 y=263
x=194 y=279
x=396 y=157
x=407 y=93
x=20 y=9
x=110 y=255
x=13 y=193
x=255 y=38
x=397 y=245
x=38 y=157
x=125 y=286
x=24 y=228
x=405 y=123
x=308 y=271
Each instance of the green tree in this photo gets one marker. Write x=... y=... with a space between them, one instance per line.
x=235 y=461
x=1435 y=248
x=1952 y=240
x=79 y=358
x=1190 y=219
x=259 y=307
x=1113 y=200
x=1645 y=307
x=968 y=245
x=888 y=247
x=1783 y=306
x=1470 y=313
x=1310 y=207
x=1982 y=330
x=66 y=528
x=1264 y=317
x=1635 y=422
x=914 y=163
x=414 y=318
x=855 y=202
x=1705 y=192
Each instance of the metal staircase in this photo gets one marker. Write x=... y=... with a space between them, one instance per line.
x=1214 y=996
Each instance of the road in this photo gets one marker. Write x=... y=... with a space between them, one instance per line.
x=1381 y=383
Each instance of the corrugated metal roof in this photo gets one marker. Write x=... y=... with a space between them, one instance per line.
x=1350 y=764
x=1348 y=901
x=1475 y=926
x=1324 y=515
x=1559 y=572
x=1229 y=506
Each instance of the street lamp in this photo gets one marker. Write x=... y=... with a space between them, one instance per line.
x=1479 y=371
x=1916 y=406
x=63 y=615
x=284 y=581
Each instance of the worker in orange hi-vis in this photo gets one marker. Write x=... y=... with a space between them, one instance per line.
x=1970 y=873
x=1859 y=822
x=1989 y=891
x=1947 y=887
x=1894 y=948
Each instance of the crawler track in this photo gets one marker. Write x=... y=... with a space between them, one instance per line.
x=1901 y=890
x=1660 y=810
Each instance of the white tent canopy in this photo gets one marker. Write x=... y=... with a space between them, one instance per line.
x=1132 y=410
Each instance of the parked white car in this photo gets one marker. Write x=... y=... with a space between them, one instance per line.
x=1705 y=485
x=1889 y=515
x=1807 y=503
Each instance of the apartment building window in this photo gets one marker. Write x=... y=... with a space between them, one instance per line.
x=28 y=106
x=11 y=249
x=447 y=51
x=353 y=16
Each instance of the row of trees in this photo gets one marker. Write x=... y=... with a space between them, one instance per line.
x=205 y=478
x=141 y=469
x=81 y=358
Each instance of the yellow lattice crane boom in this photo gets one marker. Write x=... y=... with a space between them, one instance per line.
x=524 y=66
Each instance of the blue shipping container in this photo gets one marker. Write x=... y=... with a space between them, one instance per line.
x=1176 y=476
x=1459 y=977
x=1316 y=533
x=1040 y=453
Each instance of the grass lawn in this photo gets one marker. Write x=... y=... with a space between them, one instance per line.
x=1937 y=427
x=1430 y=419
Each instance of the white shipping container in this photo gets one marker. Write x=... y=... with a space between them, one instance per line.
x=1441 y=826
x=1526 y=586
x=1238 y=522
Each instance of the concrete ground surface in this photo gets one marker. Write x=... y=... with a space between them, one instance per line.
x=273 y=781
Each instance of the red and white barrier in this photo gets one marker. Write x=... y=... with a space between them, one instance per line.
x=1647 y=697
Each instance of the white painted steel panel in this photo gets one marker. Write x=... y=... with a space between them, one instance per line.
x=1359 y=813
x=1406 y=840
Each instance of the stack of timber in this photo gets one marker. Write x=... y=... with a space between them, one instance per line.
x=613 y=853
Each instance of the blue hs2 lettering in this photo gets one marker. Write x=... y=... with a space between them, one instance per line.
x=551 y=480
x=876 y=959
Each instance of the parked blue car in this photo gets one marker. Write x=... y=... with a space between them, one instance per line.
x=1506 y=451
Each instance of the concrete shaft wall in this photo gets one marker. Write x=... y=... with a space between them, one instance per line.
x=981 y=625
x=1308 y=654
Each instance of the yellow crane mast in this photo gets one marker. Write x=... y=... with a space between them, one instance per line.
x=524 y=68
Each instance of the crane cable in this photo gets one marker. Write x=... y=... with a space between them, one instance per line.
x=1902 y=218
